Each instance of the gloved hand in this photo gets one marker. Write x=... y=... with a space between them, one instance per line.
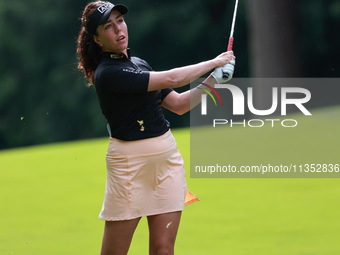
x=224 y=73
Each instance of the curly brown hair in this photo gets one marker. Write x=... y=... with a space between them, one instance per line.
x=88 y=52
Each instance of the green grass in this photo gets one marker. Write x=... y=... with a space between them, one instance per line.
x=51 y=196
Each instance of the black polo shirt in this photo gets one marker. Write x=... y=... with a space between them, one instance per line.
x=133 y=113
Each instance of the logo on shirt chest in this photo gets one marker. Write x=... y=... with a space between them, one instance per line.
x=132 y=71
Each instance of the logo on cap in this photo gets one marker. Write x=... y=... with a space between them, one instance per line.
x=103 y=8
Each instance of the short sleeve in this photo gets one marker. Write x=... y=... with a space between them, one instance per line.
x=165 y=92
x=141 y=63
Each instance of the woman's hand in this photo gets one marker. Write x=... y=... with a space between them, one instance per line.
x=224 y=73
x=224 y=58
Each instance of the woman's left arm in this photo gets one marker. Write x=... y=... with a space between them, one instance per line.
x=184 y=102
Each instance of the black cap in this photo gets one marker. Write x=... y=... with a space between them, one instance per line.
x=102 y=14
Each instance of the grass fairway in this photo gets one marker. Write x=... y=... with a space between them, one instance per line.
x=51 y=196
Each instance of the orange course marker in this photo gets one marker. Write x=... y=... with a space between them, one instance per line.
x=190 y=198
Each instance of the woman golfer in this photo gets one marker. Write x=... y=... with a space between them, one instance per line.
x=145 y=171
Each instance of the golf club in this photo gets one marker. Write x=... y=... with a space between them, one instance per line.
x=231 y=38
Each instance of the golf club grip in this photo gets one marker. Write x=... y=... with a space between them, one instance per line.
x=230 y=48
x=230 y=44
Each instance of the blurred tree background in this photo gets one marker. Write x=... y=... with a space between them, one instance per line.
x=44 y=98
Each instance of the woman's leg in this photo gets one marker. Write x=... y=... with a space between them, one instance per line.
x=163 y=230
x=117 y=236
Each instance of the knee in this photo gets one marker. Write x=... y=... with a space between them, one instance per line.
x=162 y=251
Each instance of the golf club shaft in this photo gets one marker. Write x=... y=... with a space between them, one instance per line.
x=231 y=38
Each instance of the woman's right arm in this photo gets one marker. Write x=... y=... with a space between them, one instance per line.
x=182 y=76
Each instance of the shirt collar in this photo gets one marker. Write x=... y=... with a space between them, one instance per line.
x=117 y=56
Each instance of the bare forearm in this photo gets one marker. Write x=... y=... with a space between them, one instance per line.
x=196 y=93
x=184 y=102
x=182 y=76
x=179 y=77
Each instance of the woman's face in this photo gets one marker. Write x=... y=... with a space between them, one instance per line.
x=113 y=35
